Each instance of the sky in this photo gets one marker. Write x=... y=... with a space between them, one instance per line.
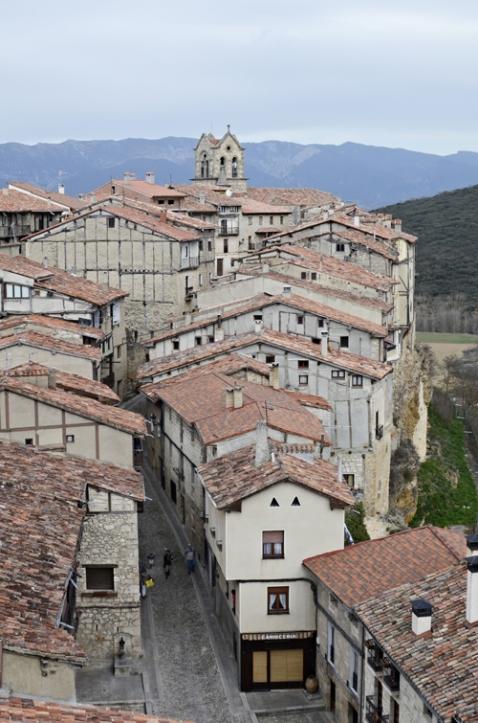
x=392 y=73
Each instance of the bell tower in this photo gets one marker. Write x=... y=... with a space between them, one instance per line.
x=220 y=162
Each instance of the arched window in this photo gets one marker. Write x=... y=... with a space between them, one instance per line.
x=204 y=167
x=234 y=167
x=222 y=161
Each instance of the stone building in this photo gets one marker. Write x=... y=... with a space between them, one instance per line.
x=159 y=265
x=350 y=578
x=37 y=413
x=263 y=511
x=220 y=161
x=358 y=389
x=28 y=287
x=206 y=413
x=68 y=568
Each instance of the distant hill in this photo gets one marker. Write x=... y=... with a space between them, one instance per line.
x=372 y=176
x=447 y=250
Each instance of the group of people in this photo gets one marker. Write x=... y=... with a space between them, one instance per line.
x=148 y=581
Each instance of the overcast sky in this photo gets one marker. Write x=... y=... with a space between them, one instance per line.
x=389 y=72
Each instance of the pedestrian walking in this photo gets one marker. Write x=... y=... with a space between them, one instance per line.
x=151 y=558
x=190 y=559
x=167 y=562
x=149 y=582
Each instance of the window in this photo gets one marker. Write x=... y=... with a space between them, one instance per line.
x=357 y=380
x=354 y=663
x=250 y=220
x=271 y=220
x=118 y=352
x=281 y=220
x=295 y=502
x=331 y=643
x=198 y=340
x=320 y=322
x=303 y=275
x=170 y=203
x=173 y=492
x=234 y=167
x=338 y=374
x=273 y=544
x=200 y=279
x=349 y=480
x=70 y=438
x=99 y=578
x=277 y=600
x=313 y=276
x=209 y=245
x=303 y=380
x=260 y=220
x=29 y=441
x=17 y=291
x=257 y=317
x=340 y=247
x=175 y=344
x=111 y=222
x=344 y=342
x=226 y=245
x=274 y=503
x=300 y=320
x=270 y=358
x=303 y=364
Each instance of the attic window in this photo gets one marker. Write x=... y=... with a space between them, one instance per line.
x=313 y=276
x=111 y=222
x=340 y=247
x=295 y=502
x=70 y=438
x=274 y=503
x=29 y=441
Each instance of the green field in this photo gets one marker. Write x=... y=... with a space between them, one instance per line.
x=437 y=337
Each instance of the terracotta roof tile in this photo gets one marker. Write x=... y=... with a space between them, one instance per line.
x=60 y=281
x=45 y=341
x=135 y=187
x=367 y=569
x=299 y=344
x=23 y=710
x=442 y=665
x=374 y=229
x=40 y=525
x=61 y=198
x=67 y=381
x=49 y=322
x=116 y=417
x=229 y=365
x=302 y=303
x=13 y=201
x=234 y=477
x=293 y=196
x=203 y=405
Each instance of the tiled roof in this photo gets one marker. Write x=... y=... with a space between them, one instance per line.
x=61 y=198
x=370 y=568
x=229 y=365
x=301 y=303
x=67 y=381
x=254 y=206
x=23 y=710
x=234 y=477
x=299 y=344
x=211 y=195
x=292 y=196
x=60 y=281
x=160 y=225
x=178 y=218
x=288 y=280
x=374 y=229
x=133 y=187
x=40 y=525
x=308 y=400
x=12 y=201
x=49 y=322
x=51 y=343
x=204 y=406
x=443 y=665
x=315 y=261
x=92 y=409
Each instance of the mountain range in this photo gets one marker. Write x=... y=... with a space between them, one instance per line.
x=372 y=176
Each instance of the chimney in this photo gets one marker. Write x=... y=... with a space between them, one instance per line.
x=163 y=216
x=286 y=289
x=472 y=590
x=202 y=198
x=258 y=326
x=237 y=397
x=274 y=376
x=472 y=544
x=129 y=176
x=324 y=343
x=421 y=616
x=61 y=188
x=229 y=392
x=149 y=177
x=265 y=268
x=356 y=218
x=218 y=333
x=51 y=379
x=263 y=454
x=397 y=224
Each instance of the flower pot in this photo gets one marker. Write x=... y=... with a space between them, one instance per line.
x=311 y=685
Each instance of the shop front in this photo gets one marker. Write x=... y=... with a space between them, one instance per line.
x=277 y=660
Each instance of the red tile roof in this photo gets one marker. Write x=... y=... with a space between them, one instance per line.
x=370 y=568
x=51 y=343
x=13 y=201
x=68 y=202
x=229 y=365
x=374 y=229
x=49 y=322
x=135 y=187
x=22 y=710
x=39 y=530
x=60 y=281
x=115 y=417
x=234 y=477
x=299 y=344
x=443 y=665
x=204 y=406
x=293 y=196
x=301 y=303
x=67 y=381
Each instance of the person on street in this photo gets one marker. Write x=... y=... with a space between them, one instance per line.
x=167 y=562
x=149 y=582
x=190 y=559
x=151 y=558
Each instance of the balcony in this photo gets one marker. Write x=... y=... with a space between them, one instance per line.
x=375 y=657
x=229 y=230
x=391 y=676
x=373 y=712
x=190 y=262
x=14 y=229
x=189 y=293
